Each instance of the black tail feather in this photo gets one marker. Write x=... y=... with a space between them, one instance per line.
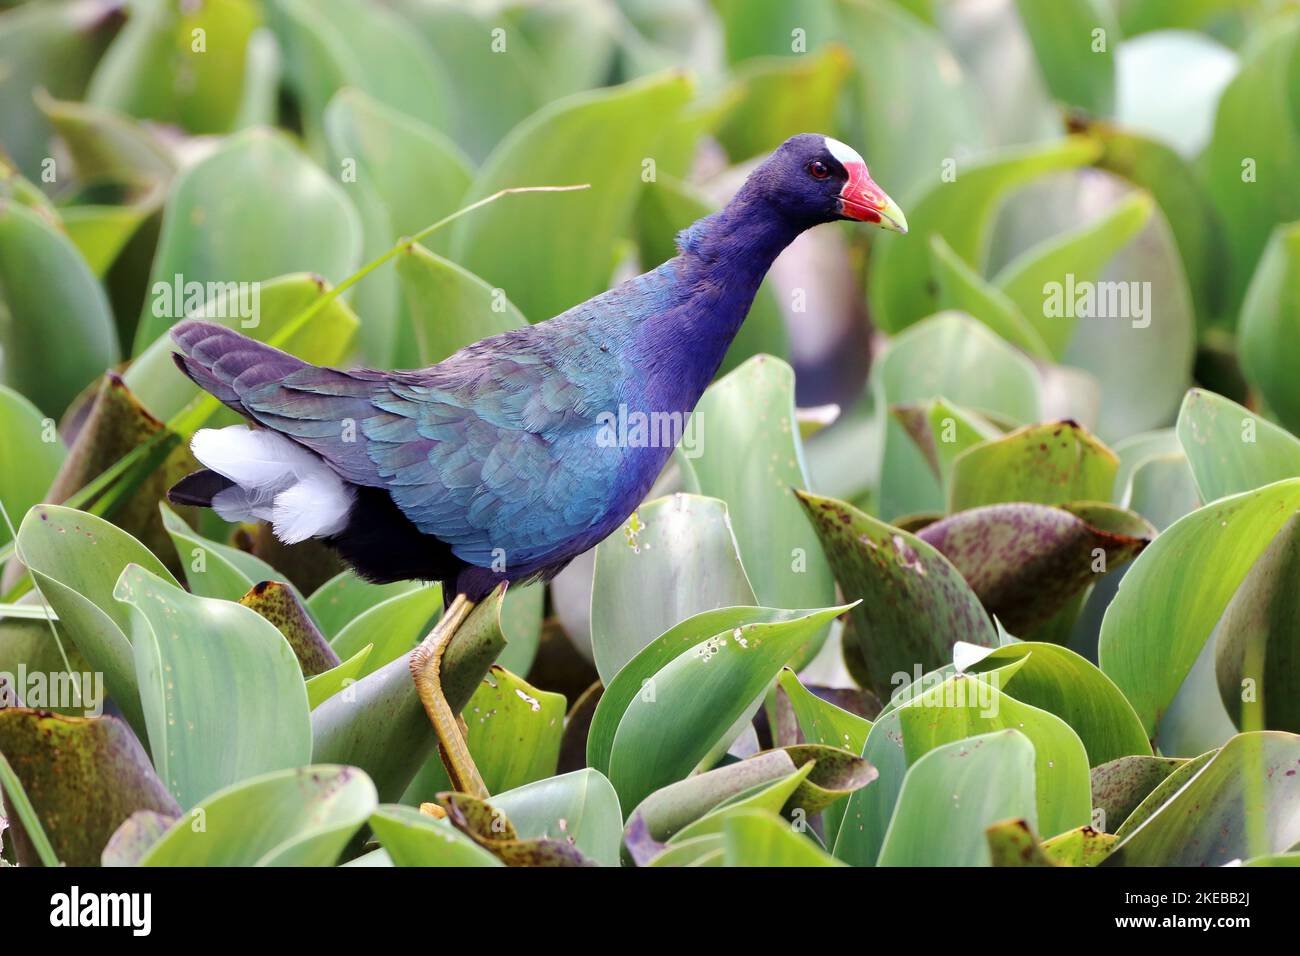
x=198 y=489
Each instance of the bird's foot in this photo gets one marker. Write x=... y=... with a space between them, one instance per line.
x=426 y=669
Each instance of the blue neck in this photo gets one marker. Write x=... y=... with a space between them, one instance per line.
x=723 y=260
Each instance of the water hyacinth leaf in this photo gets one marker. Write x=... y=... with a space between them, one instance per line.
x=1268 y=321
x=894 y=51
x=964 y=289
x=1026 y=562
x=105 y=145
x=513 y=730
x=322 y=686
x=751 y=458
x=1037 y=280
x=962 y=212
x=448 y=306
x=955 y=357
x=834 y=774
x=394 y=626
x=173 y=64
x=1255 y=643
x=277 y=602
x=413 y=838
x=1070 y=40
x=522 y=614
x=209 y=570
x=340 y=43
x=14 y=804
x=1120 y=785
x=30 y=456
x=581 y=806
x=381 y=726
x=302 y=816
x=1051 y=464
x=48 y=293
x=674 y=557
x=1058 y=680
x=346 y=595
x=523 y=244
x=696 y=698
x=1082 y=846
x=757 y=838
x=942 y=431
x=1230 y=448
x=212 y=676
x=405 y=177
x=132 y=840
x=1253 y=153
x=914 y=604
x=778 y=97
x=303 y=223
x=1163 y=489
x=72 y=557
x=83 y=775
x=491 y=829
x=820 y=721
x=325 y=340
x=966 y=705
x=953 y=793
x=1013 y=843
x=100 y=232
x=1174 y=593
x=1237 y=805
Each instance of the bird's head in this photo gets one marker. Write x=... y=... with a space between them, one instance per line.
x=815 y=179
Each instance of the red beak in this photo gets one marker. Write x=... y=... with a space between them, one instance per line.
x=863 y=200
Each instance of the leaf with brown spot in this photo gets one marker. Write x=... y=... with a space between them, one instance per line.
x=84 y=777
x=1027 y=561
x=491 y=829
x=132 y=840
x=915 y=603
x=1119 y=786
x=1082 y=846
x=277 y=602
x=1013 y=843
x=835 y=774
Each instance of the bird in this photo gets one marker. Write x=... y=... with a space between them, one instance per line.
x=497 y=464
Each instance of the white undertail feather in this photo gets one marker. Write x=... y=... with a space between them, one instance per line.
x=276 y=480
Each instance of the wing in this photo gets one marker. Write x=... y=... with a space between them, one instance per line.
x=493 y=451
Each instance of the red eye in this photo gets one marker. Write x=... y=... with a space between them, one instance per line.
x=817 y=169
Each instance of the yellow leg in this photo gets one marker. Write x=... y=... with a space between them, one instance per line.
x=426 y=669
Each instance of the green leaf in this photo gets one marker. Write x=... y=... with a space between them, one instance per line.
x=962 y=212
x=253 y=209
x=1062 y=34
x=631 y=680
x=346 y=595
x=1269 y=322
x=1174 y=593
x=967 y=705
x=1078 y=255
x=30 y=456
x=1120 y=785
x=674 y=557
x=1013 y=843
x=48 y=294
x=75 y=559
x=758 y=838
x=1051 y=464
x=278 y=603
x=697 y=697
x=957 y=358
x=1237 y=805
x=581 y=806
x=17 y=806
x=963 y=289
x=296 y=817
x=107 y=146
x=83 y=775
x=382 y=727
x=213 y=676
x=449 y=307
x=325 y=340
x=413 y=838
x=1058 y=680
x=1230 y=448
x=394 y=626
x=212 y=569
x=551 y=253
x=752 y=459
x=1254 y=153
x=514 y=730
x=822 y=722
x=1082 y=846
x=914 y=604
x=404 y=177
x=1027 y=562
x=322 y=686
x=953 y=793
